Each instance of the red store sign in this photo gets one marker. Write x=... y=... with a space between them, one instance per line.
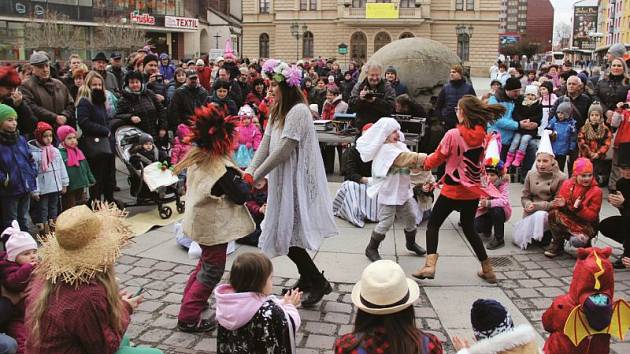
x=142 y=19
x=181 y=22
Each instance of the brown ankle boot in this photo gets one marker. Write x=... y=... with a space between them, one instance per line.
x=487 y=273
x=428 y=271
x=556 y=247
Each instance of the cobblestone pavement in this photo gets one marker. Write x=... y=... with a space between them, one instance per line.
x=530 y=280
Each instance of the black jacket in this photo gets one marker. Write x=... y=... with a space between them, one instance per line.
x=144 y=105
x=317 y=97
x=533 y=113
x=370 y=112
x=611 y=90
x=355 y=168
x=227 y=104
x=183 y=104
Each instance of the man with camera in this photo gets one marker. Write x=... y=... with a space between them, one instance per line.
x=153 y=78
x=372 y=98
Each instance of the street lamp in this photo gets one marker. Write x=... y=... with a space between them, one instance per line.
x=295 y=32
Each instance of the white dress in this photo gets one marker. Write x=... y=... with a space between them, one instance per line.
x=530 y=228
x=299 y=208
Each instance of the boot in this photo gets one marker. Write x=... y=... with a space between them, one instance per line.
x=410 y=242
x=496 y=242
x=509 y=159
x=303 y=283
x=555 y=248
x=487 y=273
x=428 y=271
x=371 y=252
x=520 y=156
x=321 y=287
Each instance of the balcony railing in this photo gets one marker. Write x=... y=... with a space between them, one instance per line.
x=403 y=12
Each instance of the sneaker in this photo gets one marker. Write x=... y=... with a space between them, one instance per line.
x=201 y=326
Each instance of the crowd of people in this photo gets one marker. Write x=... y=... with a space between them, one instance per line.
x=240 y=133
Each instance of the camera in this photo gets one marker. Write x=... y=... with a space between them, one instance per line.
x=373 y=94
x=159 y=78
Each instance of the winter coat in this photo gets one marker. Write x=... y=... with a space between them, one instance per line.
x=581 y=104
x=208 y=219
x=253 y=99
x=179 y=151
x=540 y=188
x=205 y=74
x=318 y=97
x=611 y=90
x=532 y=112
x=399 y=87
x=521 y=340
x=250 y=136
x=502 y=202
x=336 y=106
x=346 y=89
x=182 y=106
x=92 y=119
x=170 y=91
x=14 y=277
x=599 y=146
x=55 y=177
x=120 y=77
x=80 y=176
x=25 y=118
x=145 y=105
x=17 y=164
x=253 y=323
x=167 y=71
x=448 y=98
x=591 y=199
x=565 y=135
x=48 y=99
x=367 y=111
x=354 y=167
x=506 y=126
x=621 y=121
x=111 y=82
x=226 y=104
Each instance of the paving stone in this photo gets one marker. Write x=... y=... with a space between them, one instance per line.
x=145 y=262
x=521 y=303
x=537 y=274
x=172 y=309
x=122 y=268
x=521 y=257
x=343 y=329
x=310 y=315
x=530 y=283
x=186 y=269
x=347 y=299
x=161 y=274
x=207 y=344
x=509 y=284
x=320 y=328
x=433 y=324
x=425 y=312
x=157 y=285
x=178 y=278
x=164 y=265
x=155 y=335
x=181 y=339
x=345 y=288
x=175 y=298
x=526 y=293
x=140 y=317
x=542 y=303
x=335 y=317
x=530 y=265
x=152 y=294
x=337 y=307
x=178 y=288
x=306 y=351
x=138 y=282
x=134 y=330
x=125 y=259
x=515 y=275
x=319 y=341
x=551 y=292
x=150 y=306
x=165 y=321
x=551 y=282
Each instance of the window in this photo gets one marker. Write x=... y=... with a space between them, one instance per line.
x=407 y=3
x=264 y=6
x=303 y=5
x=459 y=5
x=313 y=5
x=470 y=5
x=381 y=39
x=406 y=35
x=307 y=45
x=359 y=4
x=463 y=46
x=263 y=46
x=358 y=46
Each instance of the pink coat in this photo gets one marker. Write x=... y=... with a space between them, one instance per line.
x=180 y=149
x=250 y=136
x=501 y=202
x=15 y=278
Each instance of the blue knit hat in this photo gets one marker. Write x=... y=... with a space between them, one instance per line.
x=489 y=318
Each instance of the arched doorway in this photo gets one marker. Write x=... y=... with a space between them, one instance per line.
x=358 y=46
x=406 y=35
x=204 y=42
x=380 y=40
x=308 y=45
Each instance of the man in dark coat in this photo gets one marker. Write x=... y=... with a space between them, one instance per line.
x=189 y=96
x=451 y=93
x=116 y=68
x=99 y=64
x=235 y=89
x=372 y=98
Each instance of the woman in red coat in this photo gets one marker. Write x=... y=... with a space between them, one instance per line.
x=576 y=214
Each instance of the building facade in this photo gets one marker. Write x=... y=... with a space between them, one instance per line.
x=468 y=27
x=180 y=28
x=530 y=20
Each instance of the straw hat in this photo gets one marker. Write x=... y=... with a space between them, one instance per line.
x=84 y=243
x=384 y=289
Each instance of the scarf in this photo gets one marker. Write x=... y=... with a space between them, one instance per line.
x=528 y=102
x=594 y=132
x=48 y=155
x=75 y=155
x=7 y=138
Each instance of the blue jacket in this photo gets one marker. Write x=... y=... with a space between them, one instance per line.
x=566 y=135
x=16 y=164
x=55 y=177
x=505 y=126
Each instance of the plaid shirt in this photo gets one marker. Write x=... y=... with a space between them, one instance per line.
x=378 y=343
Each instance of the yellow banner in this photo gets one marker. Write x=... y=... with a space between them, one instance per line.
x=381 y=10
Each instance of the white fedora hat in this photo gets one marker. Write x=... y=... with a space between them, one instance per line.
x=384 y=289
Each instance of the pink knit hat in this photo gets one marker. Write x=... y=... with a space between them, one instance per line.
x=63 y=131
x=19 y=241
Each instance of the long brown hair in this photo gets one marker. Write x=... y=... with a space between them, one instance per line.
x=400 y=327
x=477 y=112
x=42 y=302
x=289 y=96
x=250 y=271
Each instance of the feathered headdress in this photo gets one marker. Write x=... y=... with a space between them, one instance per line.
x=212 y=130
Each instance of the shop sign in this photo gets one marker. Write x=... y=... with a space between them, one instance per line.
x=181 y=22
x=142 y=19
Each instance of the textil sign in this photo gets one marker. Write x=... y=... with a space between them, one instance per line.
x=181 y=22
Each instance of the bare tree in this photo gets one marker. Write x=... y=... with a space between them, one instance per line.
x=562 y=32
x=52 y=33
x=115 y=35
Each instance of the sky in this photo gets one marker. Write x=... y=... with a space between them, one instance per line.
x=563 y=10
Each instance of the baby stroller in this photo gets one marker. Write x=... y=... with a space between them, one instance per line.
x=126 y=137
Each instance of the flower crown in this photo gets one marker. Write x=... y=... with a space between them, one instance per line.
x=280 y=71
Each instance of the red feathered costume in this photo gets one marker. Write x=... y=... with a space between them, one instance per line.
x=570 y=319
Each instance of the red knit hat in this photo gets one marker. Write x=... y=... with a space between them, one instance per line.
x=9 y=77
x=42 y=127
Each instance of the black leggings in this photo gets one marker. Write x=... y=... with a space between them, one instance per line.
x=616 y=228
x=441 y=210
x=305 y=265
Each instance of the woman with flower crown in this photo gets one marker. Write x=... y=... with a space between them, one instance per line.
x=299 y=208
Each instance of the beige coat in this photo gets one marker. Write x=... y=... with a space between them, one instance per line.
x=541 y=188
x=211 y=220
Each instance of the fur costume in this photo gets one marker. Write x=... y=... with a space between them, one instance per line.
x=580 y=322
x=521 y=340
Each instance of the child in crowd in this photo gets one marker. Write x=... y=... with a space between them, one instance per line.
x=79 y=174
x=575 y=215
x=548 y=100
x=539 y=190
x=594 y=140
x=334 y=103
x=529 y=110
x=52 y=178
x=220 y=97
x=18 y=174
x=257 y=206
x=162 y=141
x=383 y=144
x=423 y=183
x=16 y=267
x=249 y=137
x=251 y=319
x=495 y=332
x=181 y=145
x=563 y=133
x=145 y=153
x=493 y=212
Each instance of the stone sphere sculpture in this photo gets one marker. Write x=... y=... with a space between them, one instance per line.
x=422 y=65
